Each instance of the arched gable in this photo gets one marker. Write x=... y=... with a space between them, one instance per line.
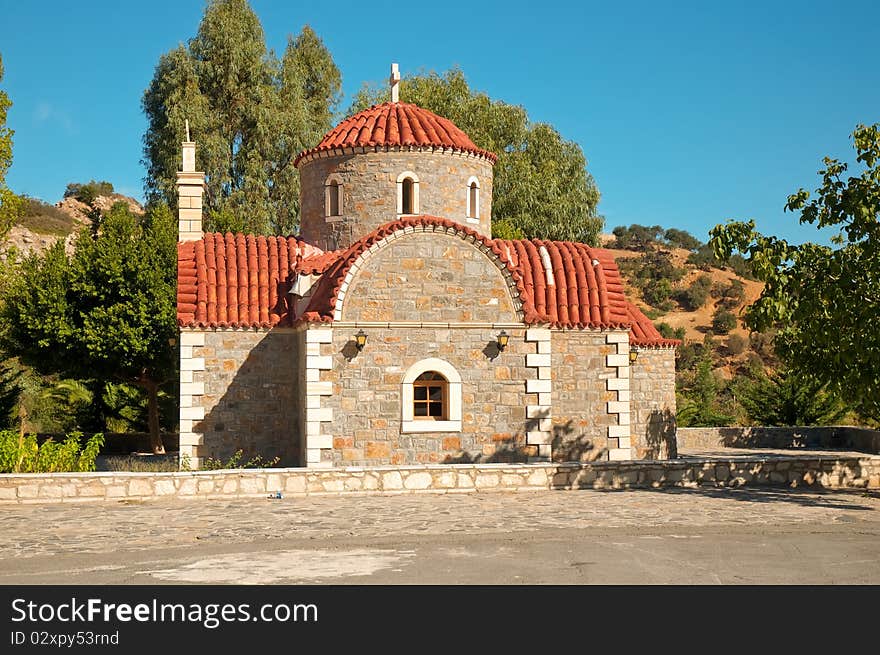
x=429 y=273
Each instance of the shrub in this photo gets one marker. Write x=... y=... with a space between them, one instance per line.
x=234 y=462
x=723 y=321
x=696 y=294
x=736 y=344
x=657 y=293
x=733 y=294
x=669 y=332
x=22 y=454
x=88 y=192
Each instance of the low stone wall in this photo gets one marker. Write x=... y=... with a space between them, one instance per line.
x=863 y=440
x=830 y=473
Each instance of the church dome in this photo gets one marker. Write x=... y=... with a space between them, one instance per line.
x=396 y=125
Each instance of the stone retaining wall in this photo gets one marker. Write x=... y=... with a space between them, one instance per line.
x=829 y=473
x=863 y=440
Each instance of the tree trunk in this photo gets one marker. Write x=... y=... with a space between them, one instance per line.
x=153 y=415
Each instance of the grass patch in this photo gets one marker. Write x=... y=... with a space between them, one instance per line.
x=139 y=463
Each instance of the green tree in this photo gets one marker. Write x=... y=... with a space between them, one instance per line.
x=11 y=206
x=698 y=397
x=250 y=113
x=786 y=398
x=824 y=301
x=541 y=186
x=108 y=311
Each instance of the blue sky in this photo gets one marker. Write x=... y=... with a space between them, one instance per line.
x=688 y=113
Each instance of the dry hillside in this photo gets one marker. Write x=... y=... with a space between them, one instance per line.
x=44 y=224
x=697 y=324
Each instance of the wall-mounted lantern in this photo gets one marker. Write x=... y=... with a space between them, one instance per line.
x=633 y=356
x=360 y=340
x=503 y=340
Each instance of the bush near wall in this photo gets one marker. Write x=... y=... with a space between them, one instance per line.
x=20 y=453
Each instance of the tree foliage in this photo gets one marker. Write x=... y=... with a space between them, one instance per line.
x=824 y=301
x=107 y=311
x=11 y=205
x=541 y=186
x=786 y=398
x=249 y=112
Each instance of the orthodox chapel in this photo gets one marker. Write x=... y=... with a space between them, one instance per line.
x=394 y=330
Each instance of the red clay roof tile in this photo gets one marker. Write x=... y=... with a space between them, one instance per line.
x=397 y=124
x=243 y=281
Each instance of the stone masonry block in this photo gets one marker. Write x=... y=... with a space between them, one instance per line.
x=192 y=338
x=617 y=407
x=191 y=439
x=321 y=362
x=319 y=336
x=313 y=455
x=320 y=414
x=544 y=347
x=615 y=431
x=534 y=360
x=193 y=413
x=319 y=388
x=537 y=437
x=617 y=337
x=538 y=334
x=319 y=441
x=620 y=361
x=192 y=389
x=537 y=411
x=194 y=364
x=617 y=384
x=619 y=454
x=623 y=395
x=538 y=386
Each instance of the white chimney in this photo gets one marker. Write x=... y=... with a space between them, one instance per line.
x=190 y=188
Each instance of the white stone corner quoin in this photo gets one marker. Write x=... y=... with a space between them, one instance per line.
x=192 y=411
x=619 y=435
x=541 y=433
x=314 y=414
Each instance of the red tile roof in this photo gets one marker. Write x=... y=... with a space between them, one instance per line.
x=396 y=124
x=240 y=281
x=643 y=333
x=243 y=281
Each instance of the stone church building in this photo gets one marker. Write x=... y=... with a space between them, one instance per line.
x=395 y=330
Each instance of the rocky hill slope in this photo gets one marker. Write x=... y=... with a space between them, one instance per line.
x=44 y=224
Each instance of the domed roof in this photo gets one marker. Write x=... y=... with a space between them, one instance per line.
x=397 y=124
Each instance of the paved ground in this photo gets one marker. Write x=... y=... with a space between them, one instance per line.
x=565 y=537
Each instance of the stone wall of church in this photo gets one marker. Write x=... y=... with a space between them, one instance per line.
x=429 y=277
x=580 y=396
x=369 y=183
x=367 y=391
x=652 y=384
x=252 y=394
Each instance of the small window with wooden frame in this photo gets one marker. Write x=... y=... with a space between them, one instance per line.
x=472 y=212
x=431 y=397
x=333 y=198
x=430 y=392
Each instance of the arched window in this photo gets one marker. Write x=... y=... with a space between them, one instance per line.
x=333 y=198
x=431 y=397
x=473 y=200
x=407 y=193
